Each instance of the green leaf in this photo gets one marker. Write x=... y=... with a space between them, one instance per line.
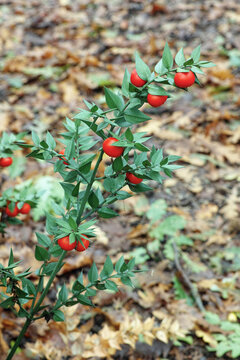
x=63 y=294
x=50 y=224
x=75 y=190
x=93 y=200
x=41 y=254
x=55 y=251
x=236 y=349
x=141 y=147
x=160 y=68
x=169 y=226
x=135 y=116
x=195 y=55
x=117 y=164
x=119 y=264
x=113 y=100
x=157 y=210
x=107 y=268
x=131 y=264
x=43 y=240
x=125 y=83
x=167 y=57
x=126 y=281
x=58 y=315
x=11 y=259
x=90 y=292
x=50 y=141
x=142 y=68
x=157 y=90
x=140 y=255
x=113 y=184
x=30 y=286
x=180 y=58
x=139 y=187
x=84 y=300
x=93 y=273
x=122 y=195
x=196 y=70
x=180 y=292
x=110 y=285
x=7 y=303
x=206 y=64
x=188 y=62
x=107 y=213
x=212 y=318
x=35 y=138
x=128 y=135
x=49 y=268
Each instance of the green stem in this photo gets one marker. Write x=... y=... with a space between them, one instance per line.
x=35 y=309
x=45 y=291
x=19 y=338
x=88 y=189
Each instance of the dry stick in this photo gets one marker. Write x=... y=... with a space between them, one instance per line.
x=192 y=288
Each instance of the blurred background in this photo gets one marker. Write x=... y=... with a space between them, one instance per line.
x=56 y=53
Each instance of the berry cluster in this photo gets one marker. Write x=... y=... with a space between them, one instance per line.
x=66 y=245
x=182 y=80
x=25 y=209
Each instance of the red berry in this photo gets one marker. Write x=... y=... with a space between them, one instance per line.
x=25 y=208
x=133 y=179
x=184 y=79
x=85 y=245
x=64 y=243
x=156 y=100
x=62 y=153
x=136 y=80
x=4 y=162
x=12 y=213
x=110 y=150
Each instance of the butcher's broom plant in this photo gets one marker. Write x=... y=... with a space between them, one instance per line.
x=93 y=133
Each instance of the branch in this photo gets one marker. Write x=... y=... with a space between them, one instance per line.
x=192 y=288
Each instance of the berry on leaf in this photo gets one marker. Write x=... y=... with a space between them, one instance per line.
x=84 y=245
x=110 y=149
x=133 y=179
x=4 y=162
x=156 y=100
x=184 y=79
x=64 y=243
x=136 y=80
x=12 y=213
x=25 y=208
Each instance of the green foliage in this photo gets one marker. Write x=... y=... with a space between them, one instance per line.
x=228 y=343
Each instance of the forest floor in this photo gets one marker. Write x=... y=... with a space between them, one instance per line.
x=53 y=55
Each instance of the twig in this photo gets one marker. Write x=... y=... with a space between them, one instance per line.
x=192 y=288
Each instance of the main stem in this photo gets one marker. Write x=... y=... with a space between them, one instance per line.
x=36 y=308
x=19 y=338
x=88 y=189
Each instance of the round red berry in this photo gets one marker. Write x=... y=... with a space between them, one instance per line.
x=12 y=213
x=4 y=162
x=62 y=152
x=25 y=208
x=110 y=150
x=64 y=243
x=136 y=80
x=184 y=79
x=84 y=245
x=156 y=100
x=133 y=179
